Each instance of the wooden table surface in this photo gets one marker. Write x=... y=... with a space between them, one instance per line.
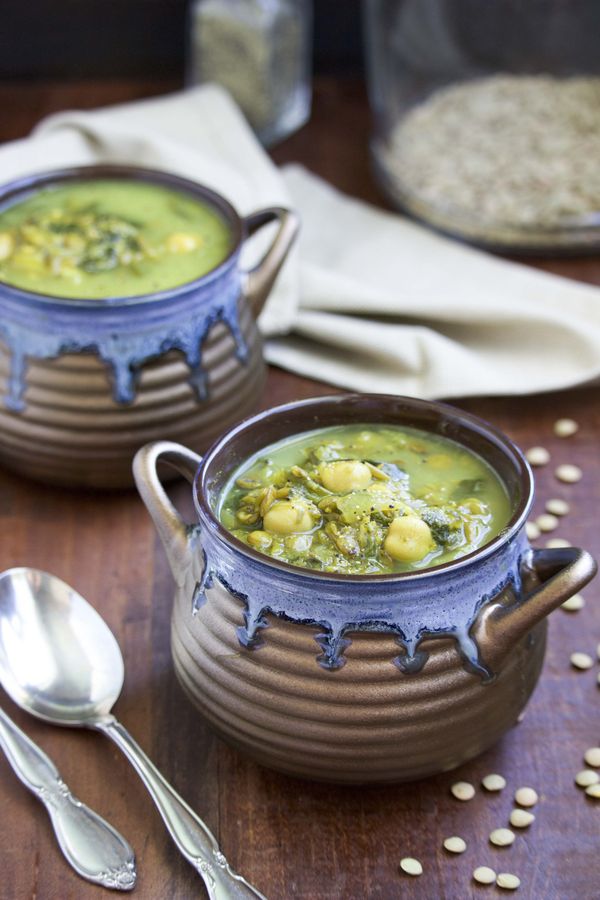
x=291 y=838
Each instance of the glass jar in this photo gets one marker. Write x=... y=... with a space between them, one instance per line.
x=487 y=121
x=261 y=52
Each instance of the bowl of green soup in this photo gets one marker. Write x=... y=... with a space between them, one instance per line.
x=125 y=314
x=358 y=600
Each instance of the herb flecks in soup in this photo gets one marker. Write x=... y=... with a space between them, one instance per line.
x=365 y=500
x=109 y=238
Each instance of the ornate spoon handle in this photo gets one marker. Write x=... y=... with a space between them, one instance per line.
x=93 y=847
x=192 y=837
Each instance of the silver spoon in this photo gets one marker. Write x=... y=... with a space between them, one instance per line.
x=60 y=661
x=94 y=848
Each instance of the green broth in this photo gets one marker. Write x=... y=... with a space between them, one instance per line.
x=365 y=499
x=109 y=238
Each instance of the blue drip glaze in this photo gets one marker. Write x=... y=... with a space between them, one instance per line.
x=333 y=646
x=123 y=333
x=436 y=604
x=199 y=597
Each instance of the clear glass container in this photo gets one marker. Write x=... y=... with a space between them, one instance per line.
x=487 y=117
x=261 y=52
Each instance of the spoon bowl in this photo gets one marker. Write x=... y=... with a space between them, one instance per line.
x=58 y=658
x=60 y=661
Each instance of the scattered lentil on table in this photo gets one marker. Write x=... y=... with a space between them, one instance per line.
x=574 y=603
x=462 y=790
x=537 y=456
x=508 y=881
x=581 y=661
x=411 y=866
x=557 y=507
x=586 y=777
x=556 y=543
x=484 y=875
x=568 y=473
x=565 y=427
x=546 y=522
x=502 y=837
x=526 y=796
x=493 y=782
x=592 y=757
x=593 y=791
x=455 y=844
x=521 y=818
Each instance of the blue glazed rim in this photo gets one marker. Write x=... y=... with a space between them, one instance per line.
x=30 y=184
x=206 y=485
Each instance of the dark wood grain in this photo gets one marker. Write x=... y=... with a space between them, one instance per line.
x=290 y=838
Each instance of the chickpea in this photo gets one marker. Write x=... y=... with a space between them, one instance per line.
x=181 y=242
x=7 y=245
x=288 y=517
x=379 y=487
x=260 y=539
x=345 y=475
x=408 y=539
x=29 y=258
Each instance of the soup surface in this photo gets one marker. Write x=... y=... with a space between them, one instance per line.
x=109 y=238
x=365 y=499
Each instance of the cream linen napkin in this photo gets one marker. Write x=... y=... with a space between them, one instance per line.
x=386 y=305
x=370 y=301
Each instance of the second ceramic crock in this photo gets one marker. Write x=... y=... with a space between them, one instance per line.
x=356 y=678
x=85 y=383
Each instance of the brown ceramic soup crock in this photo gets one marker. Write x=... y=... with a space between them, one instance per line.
x=85 y=383
x=356 y=678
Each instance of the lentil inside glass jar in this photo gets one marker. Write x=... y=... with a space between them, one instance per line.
x=488 y=126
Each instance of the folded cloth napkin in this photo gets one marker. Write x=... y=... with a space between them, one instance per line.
x=369 y=301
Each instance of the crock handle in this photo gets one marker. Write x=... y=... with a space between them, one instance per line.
x=562 y=572
x=260 y=279
x=173 y=531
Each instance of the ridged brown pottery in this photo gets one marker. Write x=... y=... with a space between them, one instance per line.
x=356 y=678
x=85 y=383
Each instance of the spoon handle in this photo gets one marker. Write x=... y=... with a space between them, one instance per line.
x=94 y=848
x=193 y=838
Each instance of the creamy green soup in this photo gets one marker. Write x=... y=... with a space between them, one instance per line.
x=109 y=238
x=365 y=499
